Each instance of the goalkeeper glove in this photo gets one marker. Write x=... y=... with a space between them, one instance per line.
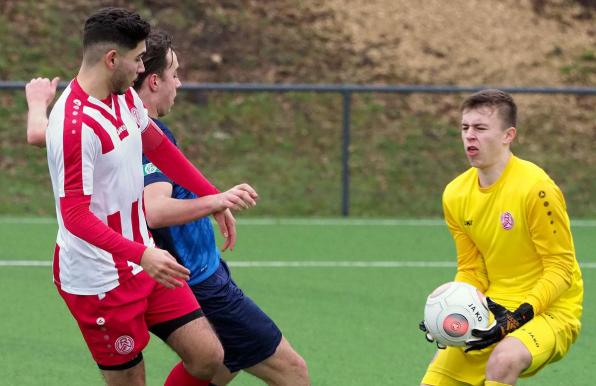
x=505 y=322
x=429 y=337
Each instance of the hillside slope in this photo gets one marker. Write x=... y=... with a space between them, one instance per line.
x=404 y=147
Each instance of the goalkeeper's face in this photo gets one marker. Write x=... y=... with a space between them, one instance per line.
x=486 y=140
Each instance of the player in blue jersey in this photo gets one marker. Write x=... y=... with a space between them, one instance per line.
x=251 y=340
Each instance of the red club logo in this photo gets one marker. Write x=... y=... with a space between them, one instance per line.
x=507 y=221
x=124 y=345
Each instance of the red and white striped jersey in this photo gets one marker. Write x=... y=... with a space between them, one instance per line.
x=94 y=149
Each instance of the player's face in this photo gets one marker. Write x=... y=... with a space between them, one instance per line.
x=128 y=66
x=484 y=136
x=169 y=82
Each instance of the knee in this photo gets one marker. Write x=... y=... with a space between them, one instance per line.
x=300 y=365
x=506 y=364
x=292 y=370
x=206 y=365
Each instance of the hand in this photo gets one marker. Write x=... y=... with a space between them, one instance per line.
x=239 y=197
x=505 y=323
x=429 y=337
x=162 y=267
x=41 y=91
x=227 y=227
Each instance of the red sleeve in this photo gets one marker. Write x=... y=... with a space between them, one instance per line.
x=81 y=222
x=170 y=160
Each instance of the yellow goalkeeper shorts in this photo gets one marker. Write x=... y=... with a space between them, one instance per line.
x=546 y=338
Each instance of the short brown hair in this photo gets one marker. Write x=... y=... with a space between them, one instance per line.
x=155 y=59
x=498 y=99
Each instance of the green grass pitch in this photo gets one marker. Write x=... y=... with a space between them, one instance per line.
x=355 y=323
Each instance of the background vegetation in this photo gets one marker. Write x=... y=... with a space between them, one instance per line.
x=405 y=148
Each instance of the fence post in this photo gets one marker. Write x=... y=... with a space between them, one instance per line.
x=345 y=153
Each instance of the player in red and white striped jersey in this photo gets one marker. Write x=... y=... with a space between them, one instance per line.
x=104 y=257
x=93 y=150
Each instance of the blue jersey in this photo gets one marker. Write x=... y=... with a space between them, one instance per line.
x=192 y=244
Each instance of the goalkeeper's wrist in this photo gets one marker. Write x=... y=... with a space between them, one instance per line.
x=524 y=313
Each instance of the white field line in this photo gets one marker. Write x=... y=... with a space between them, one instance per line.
x=303 y=221
x=297 y=264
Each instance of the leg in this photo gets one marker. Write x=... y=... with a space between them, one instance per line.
x=523 y=352
x=251 y=340
x=444 y=380
x=134 y=376
x=114 y=328
x=198 y=347
x=223 y=376
x=507 y=361
x=453 y=367
x=284 y=368
x=176 y=318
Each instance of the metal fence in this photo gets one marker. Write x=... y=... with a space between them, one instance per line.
x=346 y=91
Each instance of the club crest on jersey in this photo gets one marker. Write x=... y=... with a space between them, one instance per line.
x=507 y=221
x=124 y=345
x=135 y=115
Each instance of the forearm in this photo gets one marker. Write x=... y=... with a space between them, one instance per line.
x=470 y=265
x=168 y=211
x=555 y=280
x=81 y=222
x=473 y=278
x=37 y=121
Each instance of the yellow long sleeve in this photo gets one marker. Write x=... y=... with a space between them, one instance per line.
x=513 y=239
x=549 y=228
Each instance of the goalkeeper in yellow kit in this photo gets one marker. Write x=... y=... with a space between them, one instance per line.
x=513 y=240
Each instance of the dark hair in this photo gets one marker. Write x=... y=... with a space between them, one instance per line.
x=115 y=25
x=494 y=98
x=159 y=43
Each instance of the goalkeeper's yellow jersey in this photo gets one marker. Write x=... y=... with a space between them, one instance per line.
x=514 y=242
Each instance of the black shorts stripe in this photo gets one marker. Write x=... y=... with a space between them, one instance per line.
x=163 y=330
x=124 y=366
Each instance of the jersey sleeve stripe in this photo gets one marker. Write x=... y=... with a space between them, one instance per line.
x=72 y=147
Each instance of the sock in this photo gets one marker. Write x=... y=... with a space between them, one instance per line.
x=495 y=383
x=180 y=377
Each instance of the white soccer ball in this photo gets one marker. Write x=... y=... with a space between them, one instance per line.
x=452 y=311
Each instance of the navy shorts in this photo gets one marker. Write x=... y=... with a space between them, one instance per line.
x=247 y=334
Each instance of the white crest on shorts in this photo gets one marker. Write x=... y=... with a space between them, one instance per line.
x=124 y=344
x=100 y=321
